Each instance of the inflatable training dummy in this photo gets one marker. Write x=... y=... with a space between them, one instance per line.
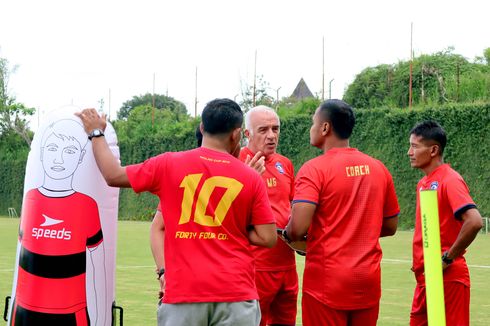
x=65 y=267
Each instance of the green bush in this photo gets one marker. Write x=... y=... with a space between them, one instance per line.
x=384 y=133
x=381 y=133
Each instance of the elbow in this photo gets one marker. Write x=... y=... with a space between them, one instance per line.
x=271 y=242
x=389 y=232
x=478 y=225
x=110 y=182
x=293 y=235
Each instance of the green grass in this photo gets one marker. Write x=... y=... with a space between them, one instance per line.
x=136 y=286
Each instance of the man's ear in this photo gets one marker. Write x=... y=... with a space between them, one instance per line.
x=247 y=133
x=201 y=127
x=435 y=150
x=236 y=135
x=326 y=128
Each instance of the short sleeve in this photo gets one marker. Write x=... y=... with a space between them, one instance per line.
x=307 y=187
x=146 y=176
x=458 y=196
x=94 y=230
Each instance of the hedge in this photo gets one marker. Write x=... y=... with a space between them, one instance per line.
x=384 y=134
x=381 y=133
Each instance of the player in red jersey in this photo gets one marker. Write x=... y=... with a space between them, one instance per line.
x=213 y=208
x=276 y=277
x=459 y=219
x=157 y=229
x=344 y=200
x=57 y=225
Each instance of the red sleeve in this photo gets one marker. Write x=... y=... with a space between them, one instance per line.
x=307 y=185
x=391 y=207
x=94 y=230
x=458 y=196
x=261 y=209
x=159 y=207
x=146 y=176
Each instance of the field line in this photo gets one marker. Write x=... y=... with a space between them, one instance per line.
x=406 y=261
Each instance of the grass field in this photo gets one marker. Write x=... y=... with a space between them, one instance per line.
x=136 y=286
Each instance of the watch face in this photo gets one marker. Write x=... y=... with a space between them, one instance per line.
x=96 y=133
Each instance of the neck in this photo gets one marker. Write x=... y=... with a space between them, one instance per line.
x=217 y=144
x=57 y=185
x=335 y=143
x=434 y=164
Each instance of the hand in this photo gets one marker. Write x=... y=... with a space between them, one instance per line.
x=91 y=120
x=257 y=162
x=162 y=287
x=444 y=266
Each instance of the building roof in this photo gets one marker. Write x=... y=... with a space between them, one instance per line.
x=302 y=91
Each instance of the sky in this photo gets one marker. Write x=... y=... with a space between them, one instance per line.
x=102 y=53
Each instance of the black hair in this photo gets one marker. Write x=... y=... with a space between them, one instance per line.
x=198 y=136
x=221 y=116
x=340 y=115
x=431 y=130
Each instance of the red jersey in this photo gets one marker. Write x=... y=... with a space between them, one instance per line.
x=453 y=199
x=353 y=193
x=279 y=180
x=54 y=233
x=209 y=199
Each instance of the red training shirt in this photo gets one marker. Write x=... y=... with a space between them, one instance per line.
x=279 y=180
x=209 y=199
x=353 y=193
x=453 y=199
x=54 y=233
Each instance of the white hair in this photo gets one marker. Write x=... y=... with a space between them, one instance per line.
x=259 y=108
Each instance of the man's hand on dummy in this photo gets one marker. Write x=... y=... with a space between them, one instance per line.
x=92 y=120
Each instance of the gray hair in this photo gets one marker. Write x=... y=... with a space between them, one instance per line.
x=259 y=108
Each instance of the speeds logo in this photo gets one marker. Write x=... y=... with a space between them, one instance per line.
x=62 y=234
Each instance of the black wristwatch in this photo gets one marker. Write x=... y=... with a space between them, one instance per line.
x=446 y=259
x=160 y=272
x=95 y=133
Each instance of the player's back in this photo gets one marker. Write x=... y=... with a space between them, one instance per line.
x=209 y=200
x=343 y=238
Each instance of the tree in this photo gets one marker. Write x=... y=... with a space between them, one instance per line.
x=12 y=114
x=438 y=78
x=486 y=54
x=261 y=95
x=161 y=102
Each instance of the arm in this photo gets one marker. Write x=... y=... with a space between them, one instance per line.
x=157 y=237
x=300 y=221
x=99 y=274
x=472 y=223
x=113 y=173
x=263 y=235
x=390 y=224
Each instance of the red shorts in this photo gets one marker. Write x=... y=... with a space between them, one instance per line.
x=278 y=293
x=457 y=302
x=317 y=313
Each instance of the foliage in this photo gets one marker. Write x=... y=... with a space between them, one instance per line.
x=291 y=107
x=161 y=102
x=12 y=113
x=261 y=95
x=383 y=134
x=140 y=139
x=443 y=77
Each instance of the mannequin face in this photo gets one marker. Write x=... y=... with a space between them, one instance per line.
x=61 y=156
